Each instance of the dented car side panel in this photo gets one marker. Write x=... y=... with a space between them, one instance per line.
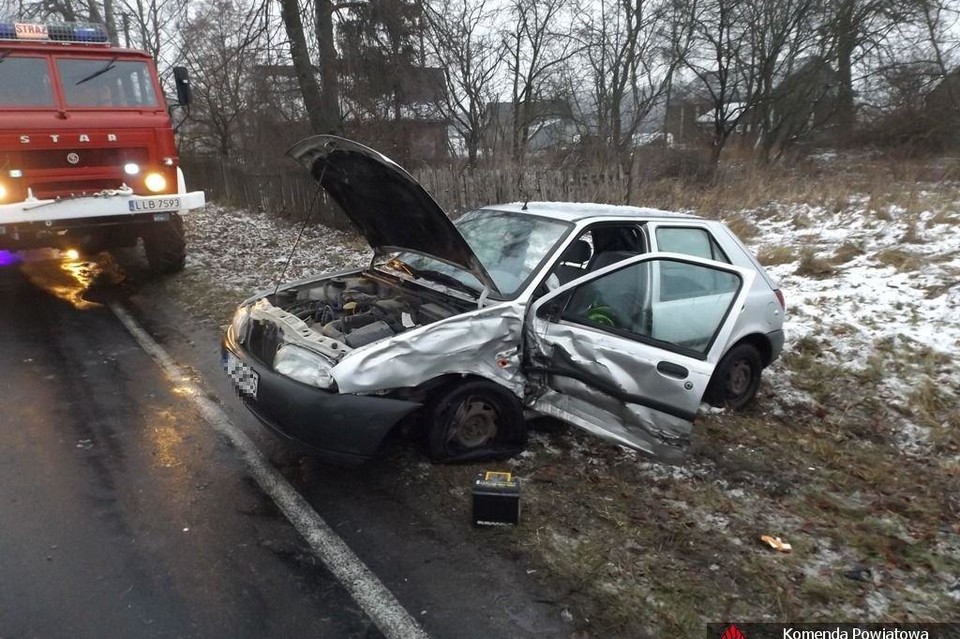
x=484 y=342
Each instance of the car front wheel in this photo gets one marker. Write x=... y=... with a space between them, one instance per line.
x=473 y=421
x=736 y=379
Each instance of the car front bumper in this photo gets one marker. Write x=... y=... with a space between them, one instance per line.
x=344 y=429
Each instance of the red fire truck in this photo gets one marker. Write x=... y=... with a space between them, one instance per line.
x=87 y=154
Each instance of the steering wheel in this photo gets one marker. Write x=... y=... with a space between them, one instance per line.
x=602 y=315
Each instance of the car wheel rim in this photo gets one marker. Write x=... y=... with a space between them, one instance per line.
x=474 y=424
x=741 y=375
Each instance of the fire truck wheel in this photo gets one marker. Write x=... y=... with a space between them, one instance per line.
x=165 y=246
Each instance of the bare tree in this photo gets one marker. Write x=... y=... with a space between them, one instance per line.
x=786 y=61
x=629 y=49
x=720 y=35
x=536 y=47
x=855 y=30
x=471 y=58
x=221 y=42
x=300 y=55
x=324 y=11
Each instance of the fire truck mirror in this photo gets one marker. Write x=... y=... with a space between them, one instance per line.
x=182 y=78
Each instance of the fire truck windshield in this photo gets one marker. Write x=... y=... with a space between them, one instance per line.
x=106 y=83
x=25 y=81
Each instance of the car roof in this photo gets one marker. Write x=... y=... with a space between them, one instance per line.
x=576 y=211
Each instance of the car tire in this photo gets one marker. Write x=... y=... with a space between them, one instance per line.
x=475 y=420
x=166 y=246
x=736 y=379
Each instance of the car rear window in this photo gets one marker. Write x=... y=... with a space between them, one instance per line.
x=690 y=241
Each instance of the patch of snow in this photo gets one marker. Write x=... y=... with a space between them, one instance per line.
x=247 y=252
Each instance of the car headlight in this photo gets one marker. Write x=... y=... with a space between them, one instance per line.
x=304 y=366
x=241 y=318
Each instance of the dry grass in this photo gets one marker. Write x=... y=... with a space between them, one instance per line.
x=775 y=255
x=846 y=252
x=812 y=265
x=900 y=259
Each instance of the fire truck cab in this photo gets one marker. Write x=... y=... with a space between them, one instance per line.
x=87 y=154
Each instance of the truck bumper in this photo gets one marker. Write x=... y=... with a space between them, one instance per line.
x=124 y=206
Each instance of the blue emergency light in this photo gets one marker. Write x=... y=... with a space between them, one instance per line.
x=54 y=31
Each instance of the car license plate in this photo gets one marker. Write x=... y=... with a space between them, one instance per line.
x=158 y=204
x=244 y=378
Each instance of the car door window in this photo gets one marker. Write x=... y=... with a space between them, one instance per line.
x=598 y=246
x=622 y=302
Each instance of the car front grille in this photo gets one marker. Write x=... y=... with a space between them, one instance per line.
x=263 y=341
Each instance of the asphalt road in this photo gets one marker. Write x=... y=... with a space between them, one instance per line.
x=123 y=514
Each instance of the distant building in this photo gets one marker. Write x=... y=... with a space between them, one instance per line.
x=804 y=100
x=550 y=124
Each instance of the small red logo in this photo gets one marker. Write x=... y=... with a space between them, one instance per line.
x=732 y=632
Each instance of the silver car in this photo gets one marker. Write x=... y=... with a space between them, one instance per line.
x=619 y=320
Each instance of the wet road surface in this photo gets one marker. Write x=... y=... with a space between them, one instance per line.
x=122 y=513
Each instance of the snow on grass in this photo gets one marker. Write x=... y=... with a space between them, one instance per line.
x=247 y=252
x=869 y=287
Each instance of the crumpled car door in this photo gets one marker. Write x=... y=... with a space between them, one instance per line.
x=627 y=352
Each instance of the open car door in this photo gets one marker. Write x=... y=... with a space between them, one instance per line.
x=627 y=352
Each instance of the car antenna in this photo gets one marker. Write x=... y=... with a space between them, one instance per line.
x=523 y=195
x=316 y=198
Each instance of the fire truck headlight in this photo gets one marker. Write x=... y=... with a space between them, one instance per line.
x=131 y=169
x=3 y=192
x=155 y=182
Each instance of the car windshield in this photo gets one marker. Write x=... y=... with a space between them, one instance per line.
x=509 y=245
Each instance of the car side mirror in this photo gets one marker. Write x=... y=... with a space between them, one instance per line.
x=182 y=79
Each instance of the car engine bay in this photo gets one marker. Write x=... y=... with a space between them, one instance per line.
x=351 y=311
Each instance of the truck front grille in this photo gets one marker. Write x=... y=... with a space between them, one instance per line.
x=85 y=158
x=44 y=190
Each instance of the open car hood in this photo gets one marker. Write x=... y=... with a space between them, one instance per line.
x=388 y=206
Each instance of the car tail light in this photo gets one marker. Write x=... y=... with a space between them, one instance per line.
x=779 y=295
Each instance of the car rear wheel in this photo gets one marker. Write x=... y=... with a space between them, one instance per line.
x=473 y=421
x=736 y=379
x=165 y=245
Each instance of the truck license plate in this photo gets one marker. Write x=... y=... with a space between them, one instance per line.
x=244 y=378
x=159 y=204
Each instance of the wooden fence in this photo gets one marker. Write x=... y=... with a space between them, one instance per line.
x=289 y=191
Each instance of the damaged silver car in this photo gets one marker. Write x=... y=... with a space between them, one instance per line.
x=619 y=320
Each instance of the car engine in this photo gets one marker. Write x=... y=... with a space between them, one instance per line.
x=360 y=309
